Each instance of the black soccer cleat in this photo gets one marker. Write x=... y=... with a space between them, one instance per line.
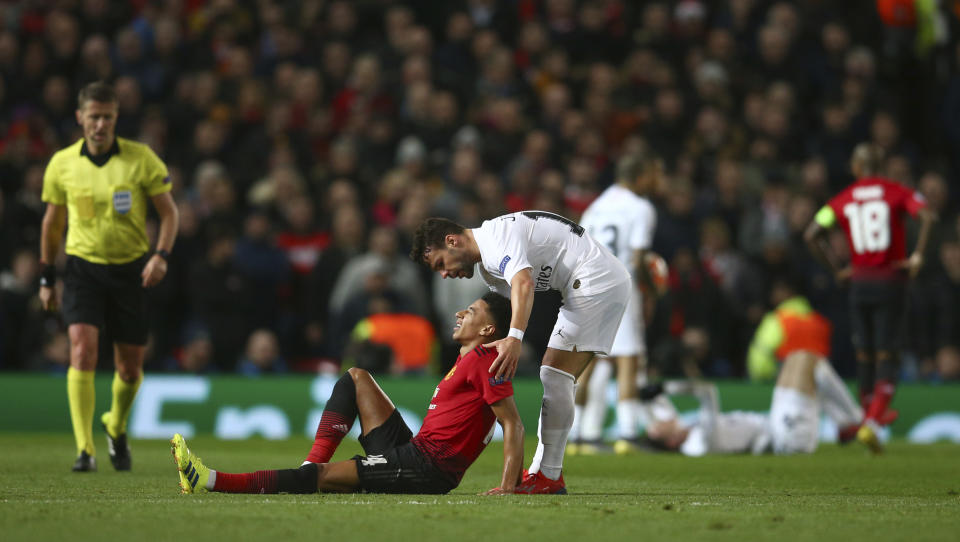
x=119 y=451
x=85 y=463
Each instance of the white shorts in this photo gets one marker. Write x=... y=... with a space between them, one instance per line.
x=630 y=339
x=592 y=309
x=794 y=422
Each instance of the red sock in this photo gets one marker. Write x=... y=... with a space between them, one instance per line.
x=333 y=426
x=882 y=394
x=865 y=400
x=262 y=481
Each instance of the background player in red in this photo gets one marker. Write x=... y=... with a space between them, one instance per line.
x=870 y=211
x=458 y=425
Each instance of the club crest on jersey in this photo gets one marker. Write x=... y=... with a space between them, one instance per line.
x=496 y=381
x=122 y=201
x=503 y=263
x=450 y=374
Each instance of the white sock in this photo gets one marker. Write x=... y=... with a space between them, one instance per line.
x=835 y=397
x=574 y=435
x=627 y=418
x=556 y=418
x=595 y=411
x=212 y=480
x=537 y=455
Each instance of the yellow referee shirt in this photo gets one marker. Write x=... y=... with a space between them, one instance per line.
x=107 y=203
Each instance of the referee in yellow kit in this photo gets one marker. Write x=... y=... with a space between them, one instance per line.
x=101 y=184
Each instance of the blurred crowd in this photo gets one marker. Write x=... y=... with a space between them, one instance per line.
x=306 y=139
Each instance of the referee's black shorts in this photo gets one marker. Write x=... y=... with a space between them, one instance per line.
x=394 y=465
x=109 y=295
x=876 y=314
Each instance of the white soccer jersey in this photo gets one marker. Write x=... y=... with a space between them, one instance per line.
x=621 y=221
x=718 y=432
x=561 y=255
x=736 y=432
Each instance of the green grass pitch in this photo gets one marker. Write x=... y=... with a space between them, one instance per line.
x=910 y=493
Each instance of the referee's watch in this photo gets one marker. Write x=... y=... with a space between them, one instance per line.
x=48 y=276
x=163 y=254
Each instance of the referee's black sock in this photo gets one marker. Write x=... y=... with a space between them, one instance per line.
x=335 y=422
x=302 y=480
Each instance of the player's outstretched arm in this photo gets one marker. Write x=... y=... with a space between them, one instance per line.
x=509 y=418
x=508 y=348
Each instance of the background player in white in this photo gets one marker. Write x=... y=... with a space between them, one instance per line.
x=519 y=254
x=623 y=220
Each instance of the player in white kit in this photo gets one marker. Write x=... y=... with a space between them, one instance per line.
x=800 y=339
x=806 y=384
x=623 y=220
x=521 y=253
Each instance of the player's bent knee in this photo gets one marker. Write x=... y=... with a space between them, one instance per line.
x=362 y=379
x=357 y=374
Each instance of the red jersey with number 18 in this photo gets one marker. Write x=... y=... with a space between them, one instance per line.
x=870 y=211
x=459 y=421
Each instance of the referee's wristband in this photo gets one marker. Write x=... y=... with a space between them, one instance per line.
x=48 y=277
x=516 y=333
x=163 y=254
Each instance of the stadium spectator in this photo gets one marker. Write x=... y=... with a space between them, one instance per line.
x=316 y=100
x=262 y=355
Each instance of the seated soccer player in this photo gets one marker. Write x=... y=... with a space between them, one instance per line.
x=458 y=425
x=805 y=383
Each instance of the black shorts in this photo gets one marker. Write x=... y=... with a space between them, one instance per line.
x=876 y=314
x=394 y=465
x=107 y=295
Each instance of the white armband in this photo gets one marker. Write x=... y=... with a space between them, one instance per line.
x=516 y=333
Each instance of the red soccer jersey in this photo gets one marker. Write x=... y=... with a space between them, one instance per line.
x=870 y=211
x=459 y=421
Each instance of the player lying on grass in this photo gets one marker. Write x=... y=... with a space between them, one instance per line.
x=806 y=382
x=797 y=336
x=458 y=425
x=791 y=427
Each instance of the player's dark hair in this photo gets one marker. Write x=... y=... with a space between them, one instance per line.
x=633 y=165
x=501 y=312
x=431 y=234
x=98 y=91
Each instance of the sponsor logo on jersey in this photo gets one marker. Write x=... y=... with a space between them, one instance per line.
x=868 y=192
x=503 y=263
x=122 y=201
x=496 y=381
x=543 y=278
